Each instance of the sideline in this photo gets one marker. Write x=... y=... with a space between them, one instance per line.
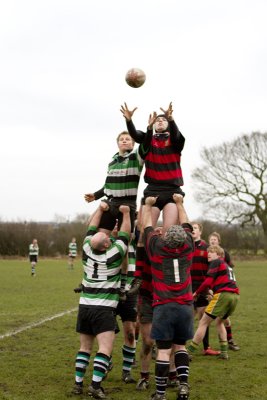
x=34 y=324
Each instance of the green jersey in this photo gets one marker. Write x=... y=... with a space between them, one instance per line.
x=33 y=249
x=102 y=271
x=72 y=249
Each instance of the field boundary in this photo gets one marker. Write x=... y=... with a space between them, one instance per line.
x=38 y=323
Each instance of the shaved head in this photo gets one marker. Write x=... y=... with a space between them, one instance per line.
x=100 y=241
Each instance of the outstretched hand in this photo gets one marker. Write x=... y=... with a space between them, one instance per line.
x=152 y=119
x=168 y=112
x=89 y=197
x=126 y=112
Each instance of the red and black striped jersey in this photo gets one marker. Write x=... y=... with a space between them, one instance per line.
x=143 y=271
x=199 y=266
x=162 y=154
x=164 y=157
x=223 y=278
x=170 y=268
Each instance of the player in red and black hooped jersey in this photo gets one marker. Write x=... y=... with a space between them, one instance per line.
x=170 y=255
x=163 y=159
x=170 y=268
x=163 y=174
x=199 y=270
x=220 y=277
x=143 y=271
x=215 y=239
x=199 y=266
x=224 y=294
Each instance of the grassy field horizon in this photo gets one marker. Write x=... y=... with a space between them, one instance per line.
x=38 y=342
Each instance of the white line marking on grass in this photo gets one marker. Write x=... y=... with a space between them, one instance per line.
x=34 y=324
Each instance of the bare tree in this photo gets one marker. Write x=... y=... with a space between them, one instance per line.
x=232 y=182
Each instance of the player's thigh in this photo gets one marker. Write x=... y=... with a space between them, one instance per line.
x=170 y=215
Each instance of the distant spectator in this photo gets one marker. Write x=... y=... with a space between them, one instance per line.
x=33 y=255
x=72 y=252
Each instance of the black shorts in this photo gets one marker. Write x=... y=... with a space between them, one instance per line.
x=110 y=217
x=33 y=258
x=145 y=310
x=201 y=301
x=95 y=320
x=163 y=196
x=127 y=310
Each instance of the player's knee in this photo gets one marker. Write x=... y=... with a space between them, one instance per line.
x=130 y=337
x=147 y=347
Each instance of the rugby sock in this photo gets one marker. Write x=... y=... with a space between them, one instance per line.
x=192 y=348
x=172 y=375
x=81 y=363
x=181 y=359
x=206 y=339
x=229 y=333
x=161 y=375
x=144 y=375
x=101 y=363
x=223 y=347
x=110 y=364
x=128 y=354
x=33 y=269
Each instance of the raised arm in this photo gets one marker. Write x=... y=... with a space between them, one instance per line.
x=138 y=136
x=126 y=221
x=176 y=136
x=94 y=196
x=182 y=215
x=95 y=220
x=147 y=211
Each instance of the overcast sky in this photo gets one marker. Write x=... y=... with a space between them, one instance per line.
x=63 y=65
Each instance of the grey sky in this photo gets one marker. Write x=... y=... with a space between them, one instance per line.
x=63 y=65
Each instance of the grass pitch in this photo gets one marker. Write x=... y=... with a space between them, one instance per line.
x=38 y=362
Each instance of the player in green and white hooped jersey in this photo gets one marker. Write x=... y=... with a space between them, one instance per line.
x=99 y=298
x=72 y=252
x=121 y=185
x=33 y=255
x=122 y=181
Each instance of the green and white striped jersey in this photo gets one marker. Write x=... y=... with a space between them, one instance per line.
x=131 y=265
x=33 y=249
x=102 y=271
x=72 y=249
x=123 y=174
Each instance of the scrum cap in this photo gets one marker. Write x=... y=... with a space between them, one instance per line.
x=175 y=236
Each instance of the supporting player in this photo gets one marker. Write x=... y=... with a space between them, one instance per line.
x=99 y=298
x=170 y=255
